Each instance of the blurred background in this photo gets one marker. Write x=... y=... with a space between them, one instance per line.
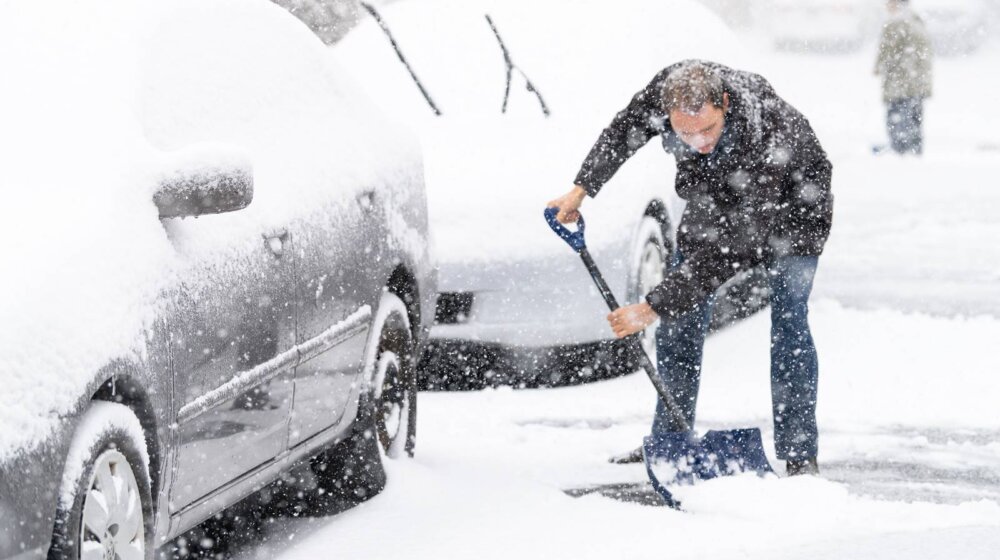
x=957 y=27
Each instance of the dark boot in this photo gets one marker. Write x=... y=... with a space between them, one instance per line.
x=795 y=467
x=633 y=456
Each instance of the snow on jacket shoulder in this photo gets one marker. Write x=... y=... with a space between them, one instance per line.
x=764 y=191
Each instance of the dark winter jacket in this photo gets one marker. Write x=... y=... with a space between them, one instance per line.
x=763 y=192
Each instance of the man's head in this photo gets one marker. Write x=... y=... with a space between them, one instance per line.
x=694 y=99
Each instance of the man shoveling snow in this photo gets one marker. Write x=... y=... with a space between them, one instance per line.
x=757 y=186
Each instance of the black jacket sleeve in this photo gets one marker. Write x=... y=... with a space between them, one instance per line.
x=630 y=130
x=709 y=250
x=698 y=276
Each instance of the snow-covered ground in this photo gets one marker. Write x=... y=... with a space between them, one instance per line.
x=905 y=313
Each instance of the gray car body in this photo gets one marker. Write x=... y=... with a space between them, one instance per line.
x=244 y=432
x=214 y=435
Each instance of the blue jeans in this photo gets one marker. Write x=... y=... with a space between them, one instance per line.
x=904 y=121
x=794 y=367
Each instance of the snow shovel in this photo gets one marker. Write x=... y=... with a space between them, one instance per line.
x=674 y=457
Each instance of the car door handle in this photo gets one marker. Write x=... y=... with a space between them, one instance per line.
x=275 y=241
x=367 y=199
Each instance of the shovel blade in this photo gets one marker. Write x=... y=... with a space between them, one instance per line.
x=672 y=457
x=681 y=458
x=728 y=452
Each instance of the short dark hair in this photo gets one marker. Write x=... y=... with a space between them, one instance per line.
x=690 y=87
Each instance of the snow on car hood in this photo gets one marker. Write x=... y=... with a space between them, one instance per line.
x=489 y=174
x=99 y=101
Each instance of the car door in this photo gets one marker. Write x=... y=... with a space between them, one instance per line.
x=281 y=103
x=233 y=353
x=335 y=292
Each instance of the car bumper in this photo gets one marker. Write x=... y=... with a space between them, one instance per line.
x=537 y=303
x=449 y=364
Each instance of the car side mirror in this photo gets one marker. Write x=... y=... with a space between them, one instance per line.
x=205 y=190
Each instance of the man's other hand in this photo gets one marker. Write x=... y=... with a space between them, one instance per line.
x=631 y=319
x=569 y=204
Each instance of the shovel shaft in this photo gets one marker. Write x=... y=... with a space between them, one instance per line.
x=634 y=346
x=602 y=286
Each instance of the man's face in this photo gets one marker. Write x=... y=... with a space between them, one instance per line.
x=703 y=129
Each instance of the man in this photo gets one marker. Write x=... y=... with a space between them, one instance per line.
x=904 y=63
x=757 y=186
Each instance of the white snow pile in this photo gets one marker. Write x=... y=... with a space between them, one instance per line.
x=100 y=101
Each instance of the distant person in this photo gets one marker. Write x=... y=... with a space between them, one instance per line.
x=904 y=63
x=757 y=186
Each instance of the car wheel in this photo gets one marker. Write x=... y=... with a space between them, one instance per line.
x=649 y=260
x=352 y=471
x=740 y=297
x=105 y=506
x=394 y=380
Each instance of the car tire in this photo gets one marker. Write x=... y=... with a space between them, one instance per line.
x=742 y=296
x=105 y=505
x=352 y=470
x=650 y=257
x=394 y=380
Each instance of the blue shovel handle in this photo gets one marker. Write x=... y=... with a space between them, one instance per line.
x=577 y=243
x=573 y=238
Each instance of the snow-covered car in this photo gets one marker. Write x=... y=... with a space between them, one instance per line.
x=216 y=271
x=818 y=25
x=515 y=304
x=328 y=19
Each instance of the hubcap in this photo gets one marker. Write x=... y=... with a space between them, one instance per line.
x=112 y=523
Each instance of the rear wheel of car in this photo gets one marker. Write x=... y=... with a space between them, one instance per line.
x=352 y=471
x=105 y=506
x=394 y=380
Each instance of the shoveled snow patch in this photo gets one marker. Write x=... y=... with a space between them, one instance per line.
x=447 y=507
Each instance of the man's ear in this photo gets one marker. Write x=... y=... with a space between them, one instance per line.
x=725 y=101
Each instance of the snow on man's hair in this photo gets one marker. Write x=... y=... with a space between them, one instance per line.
x=690 y=87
